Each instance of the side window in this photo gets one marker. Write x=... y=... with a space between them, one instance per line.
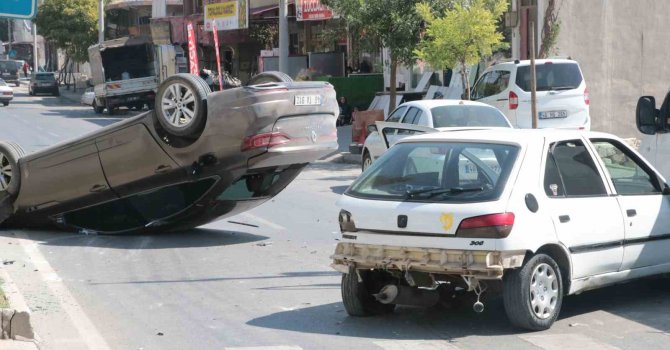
x=411 y=115
x=478 y=89
x=553 y=186
x=421 y=119
x=577 y=170
x=629 y=175
x=396 y=115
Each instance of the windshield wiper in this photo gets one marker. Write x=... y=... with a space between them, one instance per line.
x=432 y=192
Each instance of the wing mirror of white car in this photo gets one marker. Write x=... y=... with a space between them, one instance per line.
x=372 y=128
x=666 y=190
x=647 y=116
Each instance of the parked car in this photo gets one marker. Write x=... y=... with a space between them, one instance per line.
x=42 y=82
x=429 y=116
x=197 y=157
x=6 y=93
x=536 y=214
x=562 y=95
x=87 y=97
x=10 y=70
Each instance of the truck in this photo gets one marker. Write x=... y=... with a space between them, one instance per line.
x=127 y=71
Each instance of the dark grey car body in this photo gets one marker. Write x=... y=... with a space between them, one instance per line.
x=132 y=176
x=10 y=70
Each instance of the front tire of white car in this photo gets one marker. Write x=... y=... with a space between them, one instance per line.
x=357 y=297
x=533 y=294
x=367 y=160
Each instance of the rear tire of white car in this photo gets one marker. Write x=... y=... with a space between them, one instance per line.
x=367 y=160
x=97 y=109
x=5 y=104
x=357 y=297
x=181 y=105
x=533 y=294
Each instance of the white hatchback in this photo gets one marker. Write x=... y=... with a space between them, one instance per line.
x=422 y=116
x=562 y=95
x=536 y=214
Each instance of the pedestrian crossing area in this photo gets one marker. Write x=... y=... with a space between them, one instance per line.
x=530 y=341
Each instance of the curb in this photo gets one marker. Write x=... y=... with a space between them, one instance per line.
x=344 y=157
x=15 y=322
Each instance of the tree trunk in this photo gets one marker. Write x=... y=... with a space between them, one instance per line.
x=547 y=28
x=392 y=82
x=465 y=81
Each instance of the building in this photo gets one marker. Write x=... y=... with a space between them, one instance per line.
x=133 y=17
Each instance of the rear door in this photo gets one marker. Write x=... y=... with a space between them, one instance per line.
x=586 y=217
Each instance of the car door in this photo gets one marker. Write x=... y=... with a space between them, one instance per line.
x=644 y=207
x=492 y=89
x=587 y=219
x=375 y=142
x=134 y=162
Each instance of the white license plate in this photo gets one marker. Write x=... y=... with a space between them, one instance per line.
x=553 y=114
x=5 y=74
x=307 y=100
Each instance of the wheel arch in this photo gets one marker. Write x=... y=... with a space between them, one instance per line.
x=562 y=258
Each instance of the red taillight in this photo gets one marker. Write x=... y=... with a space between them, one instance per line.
x=513 y=100
x=486 y=226
x=269 y=139
x=587 y=100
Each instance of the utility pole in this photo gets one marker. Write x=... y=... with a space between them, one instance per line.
x=35 y=61
x=101 y=21
x=533 y=86
x=283 y=37
x=9 y=36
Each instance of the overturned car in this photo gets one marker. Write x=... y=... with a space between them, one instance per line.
x=198 y=156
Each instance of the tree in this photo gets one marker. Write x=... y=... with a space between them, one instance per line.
x=70 y=25
x=461 y=35
x=395 y=23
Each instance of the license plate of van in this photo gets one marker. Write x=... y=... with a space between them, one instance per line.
x=553 y=115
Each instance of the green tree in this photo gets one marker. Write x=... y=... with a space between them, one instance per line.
x=396 y=24
x=461 y=34
x=70 y=24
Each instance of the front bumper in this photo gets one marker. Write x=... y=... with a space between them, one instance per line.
x=482 y=264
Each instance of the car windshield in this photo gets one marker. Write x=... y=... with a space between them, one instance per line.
x=467 y=115
x=45 y=77
x=550 y=76
x=440 y=171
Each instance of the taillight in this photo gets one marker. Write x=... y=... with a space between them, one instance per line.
x=486 y=226
x=269 y=139
x=587 y=100
x=513 y=100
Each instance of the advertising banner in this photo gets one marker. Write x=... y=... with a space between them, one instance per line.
x=192 y=50
x=218 y=55
x=312 y=10
x=227 y=14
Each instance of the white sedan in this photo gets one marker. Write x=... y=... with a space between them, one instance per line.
x=535 y=214
x=6 y=93
x=87 y=97
x=428 y=116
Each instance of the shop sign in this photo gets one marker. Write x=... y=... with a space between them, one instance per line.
x=312 y=10
x=228 y=14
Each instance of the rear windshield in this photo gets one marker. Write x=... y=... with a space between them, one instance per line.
x=438 y=172
x=9 y=65
x=550 y=76
x=464 y=115
x=45 y=77
x=2 y=83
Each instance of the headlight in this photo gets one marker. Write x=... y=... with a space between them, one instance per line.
x=346 y=222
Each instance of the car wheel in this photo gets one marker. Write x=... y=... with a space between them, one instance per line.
x=269 y=77
x=533 y=294
x=97 y=109
x=31 y=93
x=367 y=160
x=357 y=297
x=10 y=178
x=5 y=104
x=56 y=92
x=17 y=84
x=181 y=105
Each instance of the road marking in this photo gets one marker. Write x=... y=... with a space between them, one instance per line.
x=415 y=345
x=566 y=342
x=53 y=134
x=86 y=329
x=264 y=222
x=279 y=347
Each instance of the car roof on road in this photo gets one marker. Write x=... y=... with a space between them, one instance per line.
x=517 y=136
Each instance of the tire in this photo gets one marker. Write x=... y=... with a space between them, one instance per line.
x=366 y=161
x=185 y=97
x=269 y=77
x=10 y=173
x=357 y=297
x=5 y=104
x=17 y=84
x=96 y=109
x=56 y=92
x=519 y=293
x=31 y=93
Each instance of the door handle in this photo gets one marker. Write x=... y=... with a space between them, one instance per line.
x=502 y=99
x=631 y=213
x=98 y=188
x=564 y=218
x=162 y=169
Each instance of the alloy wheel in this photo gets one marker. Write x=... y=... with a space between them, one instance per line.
x=5 y=172
x=178 y=105
x=543 y=291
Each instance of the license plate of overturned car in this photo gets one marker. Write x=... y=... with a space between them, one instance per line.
x=307 y=100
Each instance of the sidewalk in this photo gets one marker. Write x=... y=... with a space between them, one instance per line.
x=72 y=95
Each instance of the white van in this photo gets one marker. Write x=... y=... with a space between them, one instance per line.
x=562 y=95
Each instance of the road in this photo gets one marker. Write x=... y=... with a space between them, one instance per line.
x=260 y=280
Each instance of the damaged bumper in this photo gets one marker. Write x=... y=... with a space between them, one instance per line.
x=477 y=263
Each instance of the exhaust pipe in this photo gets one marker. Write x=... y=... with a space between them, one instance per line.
x=478 y=307
x=404 y=295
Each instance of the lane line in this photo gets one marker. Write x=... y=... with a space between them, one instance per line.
x=416 y=345
x=279 y=347
x=264 y=222
x=86 y=329
x=566 y=342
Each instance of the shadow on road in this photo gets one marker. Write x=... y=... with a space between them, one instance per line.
x=339 y=189
x=241 y=278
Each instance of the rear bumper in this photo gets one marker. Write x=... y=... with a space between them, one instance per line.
x=482 y=264
x=6 y=98
x=291 y=155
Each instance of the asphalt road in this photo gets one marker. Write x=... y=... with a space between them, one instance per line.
x=260 y=280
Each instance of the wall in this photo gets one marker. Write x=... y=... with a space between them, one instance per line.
x=622 y=47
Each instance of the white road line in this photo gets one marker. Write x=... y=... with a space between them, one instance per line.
x=415 y=345
x=89 y=334
x=264 y=222
x=53 y=134
x=566 y=342
x=279 y=347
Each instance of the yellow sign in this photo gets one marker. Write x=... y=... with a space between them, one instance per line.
x=228 y=14
x=224 y=10
x=447 y=220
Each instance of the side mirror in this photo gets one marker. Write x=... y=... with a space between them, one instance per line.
x=646 y=116
x=666 y=190
x=371 y=128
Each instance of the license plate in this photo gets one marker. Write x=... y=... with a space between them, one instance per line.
x=5 y=74
x=553 y=114
x=307 y=100
x=133 y=98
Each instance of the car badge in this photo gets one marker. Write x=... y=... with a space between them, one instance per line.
x=313 y=136
x=402 y=221
x=447 y=220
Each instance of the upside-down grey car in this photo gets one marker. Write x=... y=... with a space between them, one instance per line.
x=197 y=157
